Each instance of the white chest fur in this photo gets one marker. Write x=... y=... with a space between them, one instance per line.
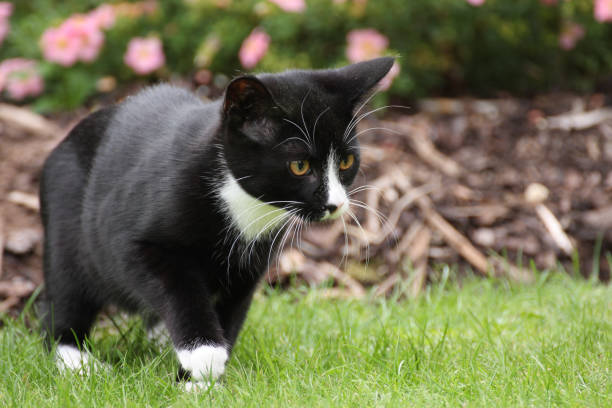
x=252 y=217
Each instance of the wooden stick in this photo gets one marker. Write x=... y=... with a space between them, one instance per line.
x=454 y=238
x=27 y=120
x=1 y=242
x=579 y=120
x=385 y=286
x=8 y=303
x=418 y=253
x=554 y=228
x=26 y=200
x=418 y=135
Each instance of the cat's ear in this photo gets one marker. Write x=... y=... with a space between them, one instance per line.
x=359 y=79
x=246 y=97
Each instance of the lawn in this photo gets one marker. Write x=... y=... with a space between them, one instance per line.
x=482 y=343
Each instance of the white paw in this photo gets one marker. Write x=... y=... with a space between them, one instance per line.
x=196 y=386
x=204 y=362
x=72 y=359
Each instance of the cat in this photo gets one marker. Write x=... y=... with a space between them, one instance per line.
x=172 y=207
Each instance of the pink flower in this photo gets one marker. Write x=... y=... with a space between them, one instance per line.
x=85 y=29
x=387 y=80
x=292 y=6
x=6 y=9
x=59 y=46
x=549 y=2
x=476 y=2
x=365 y=44
x=77 y=39
x=253 y=48
x=570 y=35
x=144 y=55
x=603 y=10
x=104 y=16
x=20 y=77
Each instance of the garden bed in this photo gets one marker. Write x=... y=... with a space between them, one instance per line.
x=489 y=186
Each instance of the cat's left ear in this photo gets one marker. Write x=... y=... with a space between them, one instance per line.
x=358 y=80
x=246 y=98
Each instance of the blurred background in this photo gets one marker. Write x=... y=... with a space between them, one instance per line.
x=488 y=148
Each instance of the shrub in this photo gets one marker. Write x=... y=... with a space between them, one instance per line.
x=443 y=46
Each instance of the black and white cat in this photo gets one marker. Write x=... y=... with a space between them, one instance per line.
x=173 y=207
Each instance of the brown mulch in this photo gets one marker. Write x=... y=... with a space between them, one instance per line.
x=487 y=186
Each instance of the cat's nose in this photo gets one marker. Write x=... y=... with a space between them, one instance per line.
x=331 y=208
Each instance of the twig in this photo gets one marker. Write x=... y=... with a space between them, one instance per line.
x=418 y=135
x=355 y=287
x=28 y=121
x=580 y=120
x=9 y=303
x=389 y=283
x=454 y=238
x=16 y=287
x=554 y=228
x=26 y=200
x=418 y=254
x=1 y=242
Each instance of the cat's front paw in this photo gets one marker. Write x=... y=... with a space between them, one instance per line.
x=69 y=358
x=204 y=362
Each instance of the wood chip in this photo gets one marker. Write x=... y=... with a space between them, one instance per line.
x=418 y=254
x=600 y=219
x=22 y=241
x=27 y=120
x=8 y=303
x=388 y=284
x=454 y=238
x=579 y=120
x=26 y=200
x=1 y=242
x=418 y=135
x=554 y=228
x=16 y=287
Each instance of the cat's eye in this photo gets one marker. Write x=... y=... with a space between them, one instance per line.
x=347 y=162
x=299 y=167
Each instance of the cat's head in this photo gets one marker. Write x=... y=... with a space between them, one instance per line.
x=290 y=145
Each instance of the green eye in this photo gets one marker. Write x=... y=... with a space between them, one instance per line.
x=347 y=162
x=299 y=167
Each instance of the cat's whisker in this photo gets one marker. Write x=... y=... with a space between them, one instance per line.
x=293 y=138
x=364 y=115
x=302 y=114
x=285 y=227
x=367 y=241
x=345 y=250
x=307 y=141
x=370 y=129
x=242 y=233
x=293 y=220
x=381 y=217
x=283 y=241
x=368 y=99
x=363 y=187
x=314 y=128
x=264 y=229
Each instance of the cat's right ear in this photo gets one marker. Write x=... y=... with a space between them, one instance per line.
x=246 y=98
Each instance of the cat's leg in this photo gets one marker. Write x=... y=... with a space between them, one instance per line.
x=232 y=313
x=68 y=318
x=182 y=300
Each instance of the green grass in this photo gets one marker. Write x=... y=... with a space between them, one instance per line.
x=488 y=343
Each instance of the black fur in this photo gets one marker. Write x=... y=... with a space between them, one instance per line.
x=130 y=200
